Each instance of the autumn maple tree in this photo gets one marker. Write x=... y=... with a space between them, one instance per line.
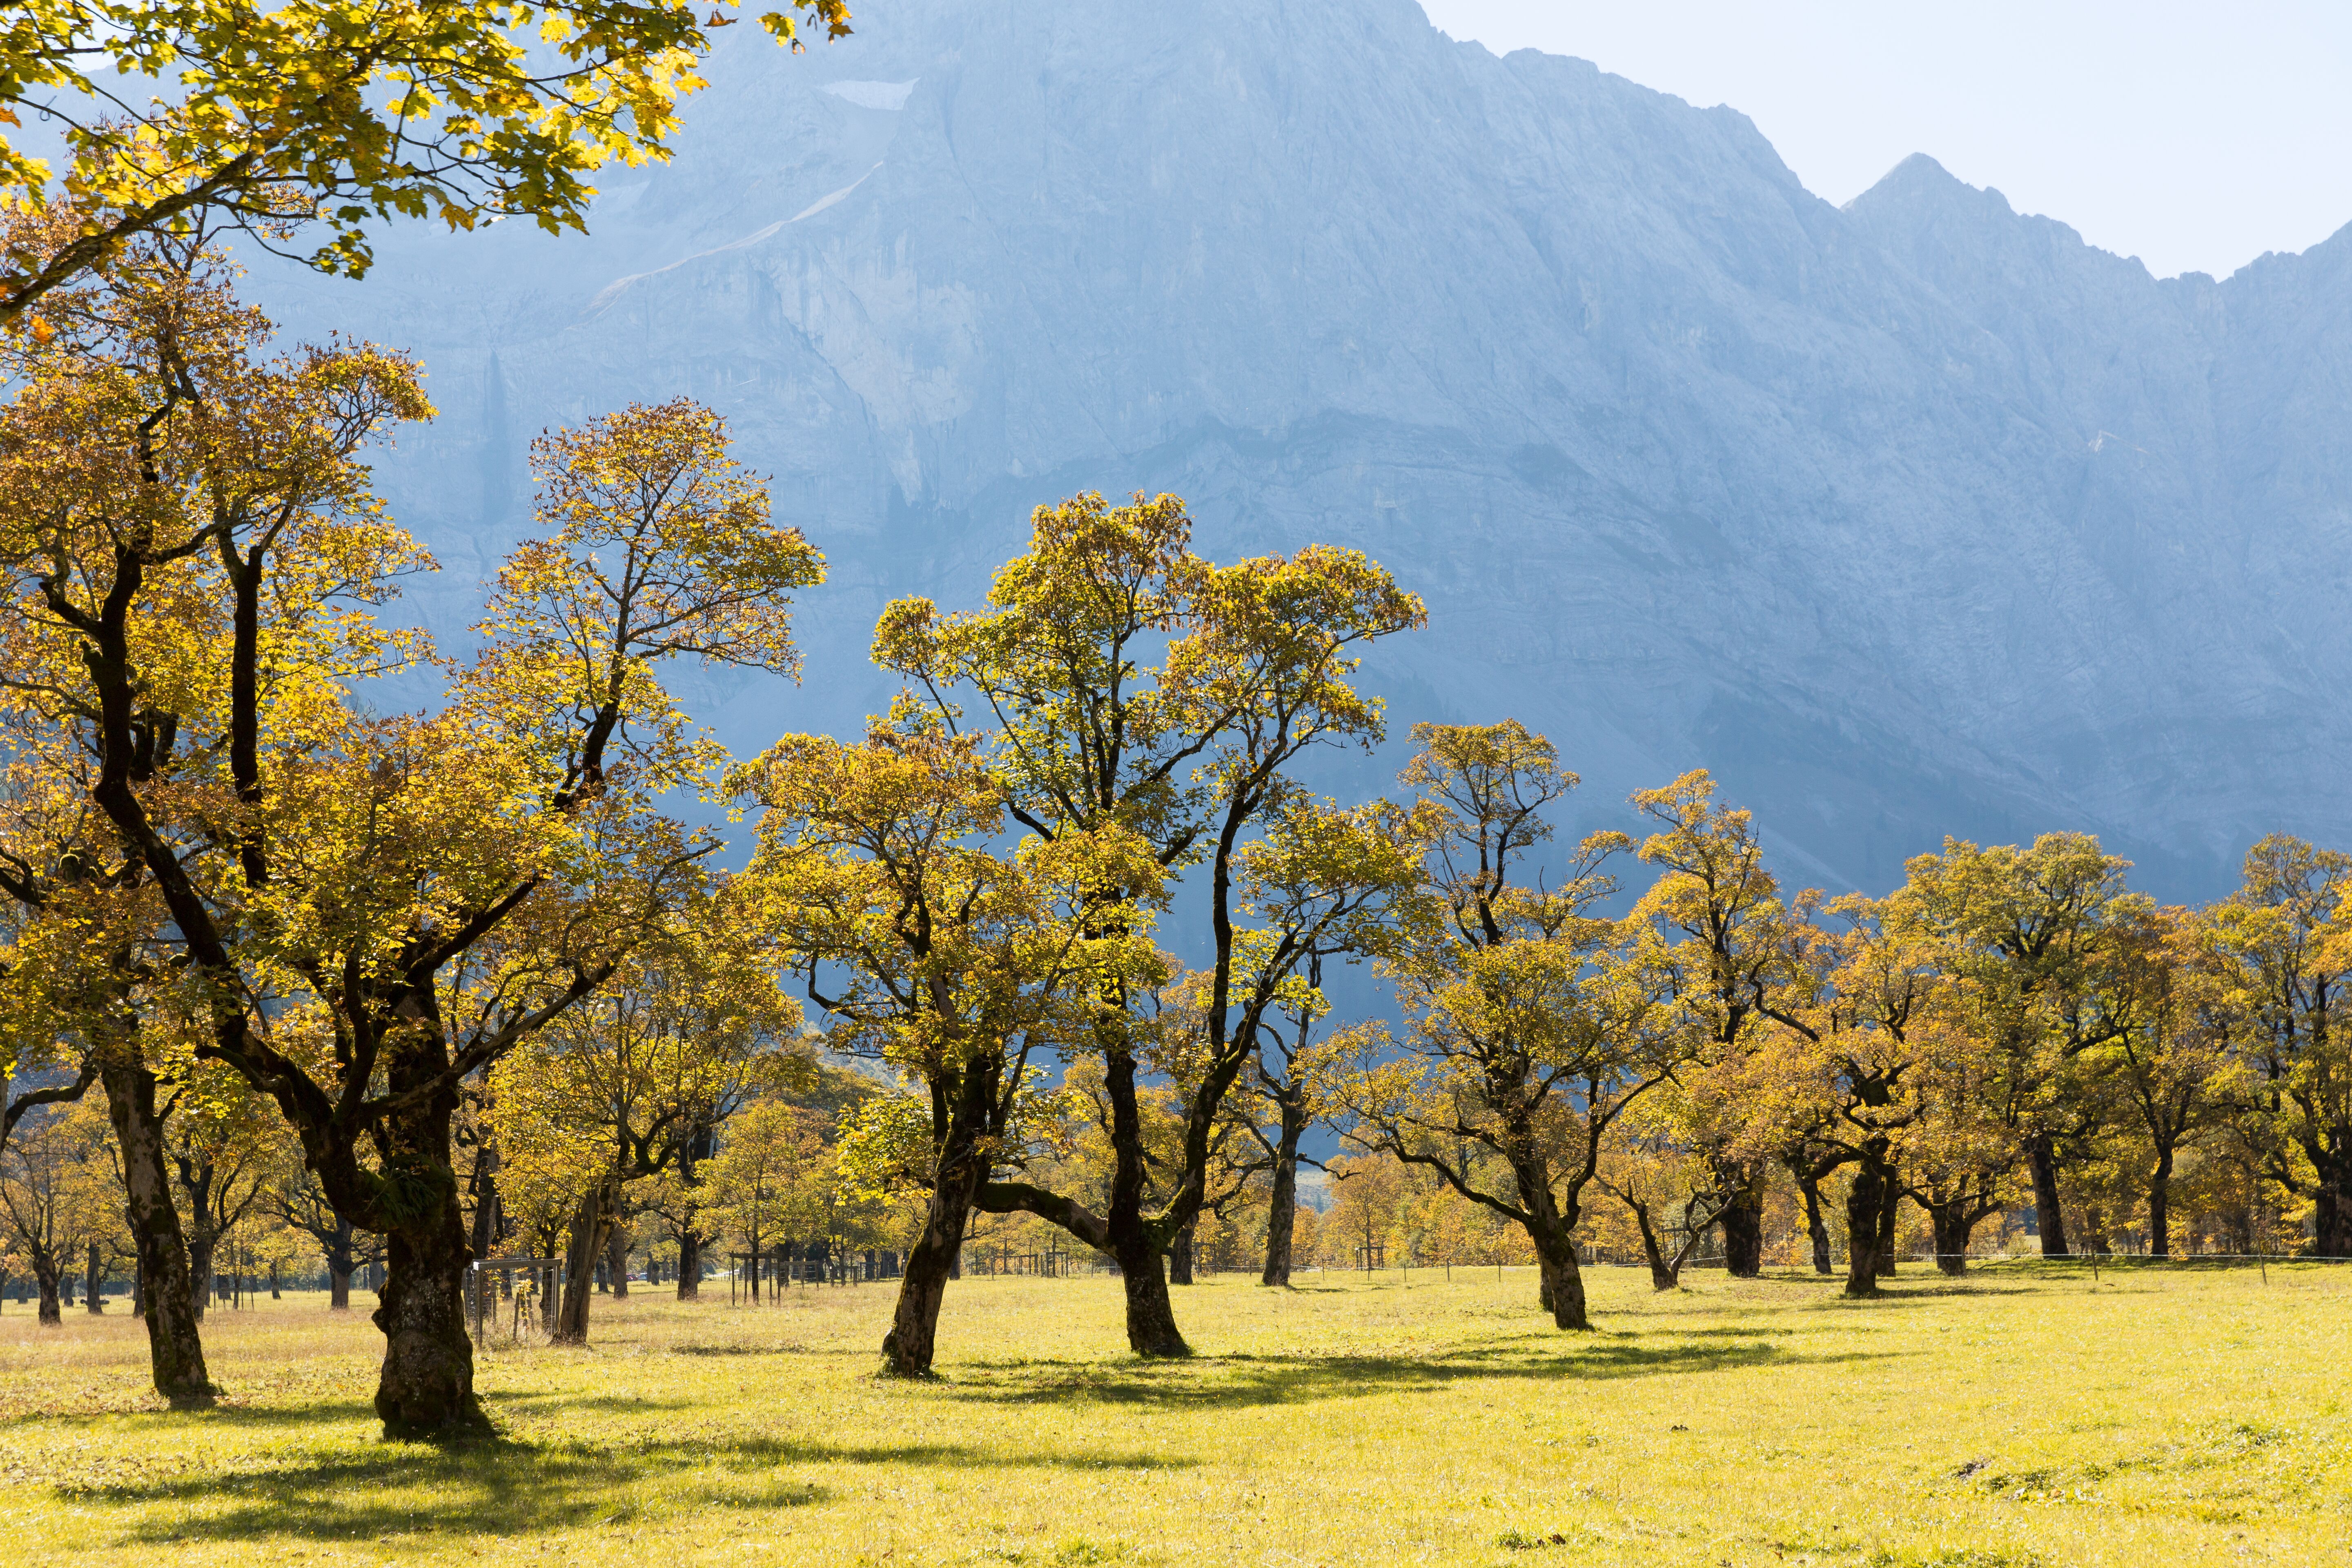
x=371 y=908
x=1118 y=680
x=933 y=949
x=1528 y=1031
x=334 y=113
x=619 y=1090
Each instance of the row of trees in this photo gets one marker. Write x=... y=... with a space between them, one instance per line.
x=472 y=966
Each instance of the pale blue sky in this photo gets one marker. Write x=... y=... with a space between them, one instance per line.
x=2193 y=136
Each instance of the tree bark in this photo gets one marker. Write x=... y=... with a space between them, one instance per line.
x=44 y=1278
x=426 y=1382
x=1563 y=1284
x=337 y=1246
x=1664 y=1274
x=2049 y=1218
x=913 y=1340
x=616 y=1259
x=1743 y=1221
x=167 y=1284
x=592 y=1228
x=1816 y=1229
x=1150 y=1313
x=2160 y=1206
x=1282 y=1218
x=2331 y=1224
x=93 y=1296
x=1953 y=1229
x=202 y=1245
x=1864 y=1202
x=689 y=1265
x=1179 y=1254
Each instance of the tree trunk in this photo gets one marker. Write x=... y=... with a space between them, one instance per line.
x=1890 y=1198
x=202 y=1245
x=2331 y=1223
x=689 y=1265
x=93 y=1283
x=1664 y=1274
x=1743 y=1221
x=1179 y=1254
x=1563 y=1283
x=1559 y=1283
x=340 y=1262
x=1816 y=1227
x=1150 y=1313
x=426 y=1382
x=45 y=1278
x=616 y=1260
x=167 y=1283
x=1864 y=1202
x=913 y=1339
x=1953 y=1229
x=2160 y=1207
x=1282 y=1219
x=2048 y=1217
x=592 y=1228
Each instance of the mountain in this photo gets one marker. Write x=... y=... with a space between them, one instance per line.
x=1914 y=517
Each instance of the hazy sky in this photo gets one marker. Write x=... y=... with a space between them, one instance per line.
x=2193 y=136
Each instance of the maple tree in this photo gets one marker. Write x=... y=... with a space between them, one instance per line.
x=371 y=908
x=2284 y=937
x=621 y=1087
x=1528 y=1030
x=1085 y=732
x=933 y=951
x=334 y=112
x=2028 y=930
x=1723 y=940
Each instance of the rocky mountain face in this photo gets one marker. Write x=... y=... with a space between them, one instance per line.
x=1908 y=518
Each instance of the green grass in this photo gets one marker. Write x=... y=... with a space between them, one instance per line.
x=2008 y=1421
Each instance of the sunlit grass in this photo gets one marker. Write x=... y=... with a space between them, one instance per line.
x=2184 y=1417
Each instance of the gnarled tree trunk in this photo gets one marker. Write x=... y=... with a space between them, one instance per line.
x=44 y=1281
x=616 y=1259
x=1817 y=1228
x=426 y=1382
x=689 y=1265
x=1150 y=1313
x=167 y=1285
x=1282 y=1219
x=1865 y=1203
x=584 y=1248
x=913 y=1340
x=1179 y=1254
x=1743 y=1217
x=2049 y=1218
x=1953 y=1229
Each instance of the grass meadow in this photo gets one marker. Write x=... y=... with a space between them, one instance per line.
x=2014 y=1418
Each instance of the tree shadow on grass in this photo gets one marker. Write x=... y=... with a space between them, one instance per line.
x=320 y=1413
x=504 y=1487
x=1902 y=1292
x=1240 y=1381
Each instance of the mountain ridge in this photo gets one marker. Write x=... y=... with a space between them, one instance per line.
x=1910 y=517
